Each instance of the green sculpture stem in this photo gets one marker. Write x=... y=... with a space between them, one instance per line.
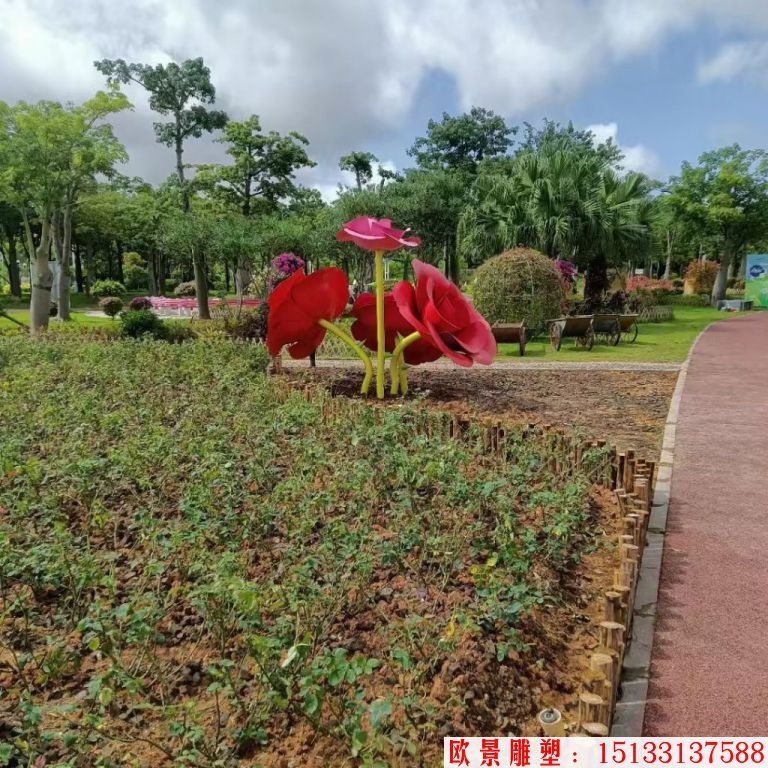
x=350 y=342
x=396 y=370
x=380 y=332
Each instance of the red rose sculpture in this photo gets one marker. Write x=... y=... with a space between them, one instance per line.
x=364 y=329
x=440 y=313
x=299 y=304
x=375 y=235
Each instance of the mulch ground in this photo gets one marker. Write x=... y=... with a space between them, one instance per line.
x=626 y=408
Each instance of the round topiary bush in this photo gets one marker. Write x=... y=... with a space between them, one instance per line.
x=142 y=322
x=139 y=302
x=102 y=288
x=111 y=305
x=519 y=284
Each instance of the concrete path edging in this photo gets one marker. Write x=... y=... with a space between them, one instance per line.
x=629 y=715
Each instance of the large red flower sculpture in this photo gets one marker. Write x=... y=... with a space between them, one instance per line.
x=298 y=304
x=364 y=329
x=375 y=235
x=440 y=313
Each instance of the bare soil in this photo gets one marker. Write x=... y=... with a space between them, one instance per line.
x=626 y=408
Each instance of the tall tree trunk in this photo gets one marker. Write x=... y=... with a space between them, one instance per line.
x=90 y=268
x=201 y=286
x=42 y=280
x=152 y=273
x=119 y=256
x=597 y=279
x=78 y=269
x=721 y=281
x=242 y=275
x=14 y=276
x=668 y=264
x=732 y=267
x=64 y=248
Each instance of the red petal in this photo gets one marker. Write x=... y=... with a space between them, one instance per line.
x=323 y=294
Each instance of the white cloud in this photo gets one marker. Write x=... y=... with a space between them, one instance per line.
x=344 y=72
x=748 y=58
x=637 y=157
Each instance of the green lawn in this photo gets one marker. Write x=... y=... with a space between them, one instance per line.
x=656 y=342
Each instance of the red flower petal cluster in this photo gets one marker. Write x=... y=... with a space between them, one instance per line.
x=375 y=235
x=437 y=309
x=298 y=304
x=364 y=329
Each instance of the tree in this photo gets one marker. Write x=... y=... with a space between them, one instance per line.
x=10 y=231
x=462 y=142
x=47 y=151
x=171 y=88
x=725 y=198
x=361 y=164
x=430 y=203
x=263 y=167
x=564 y=196
x=93 y=150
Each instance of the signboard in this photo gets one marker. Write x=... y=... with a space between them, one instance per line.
x=756 y=283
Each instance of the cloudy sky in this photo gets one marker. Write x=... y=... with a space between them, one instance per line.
x=666 y=79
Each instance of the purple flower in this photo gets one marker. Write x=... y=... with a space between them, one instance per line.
x=568 y=271
x=287 y=263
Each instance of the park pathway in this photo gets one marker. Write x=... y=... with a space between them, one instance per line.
x=709 y=673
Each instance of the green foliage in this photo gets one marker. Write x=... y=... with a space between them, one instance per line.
x=136 y=323
x=520 y=284
x=262 y=170
x=171 y=87
x=183 y=537
x=185 y=289
x=111 y=305
x=361 y=164
x=461 y=142
x=103 y=288
x=258 y=358
x=250 y=325
x=136 y=278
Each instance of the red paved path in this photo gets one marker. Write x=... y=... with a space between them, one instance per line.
x=709 y=674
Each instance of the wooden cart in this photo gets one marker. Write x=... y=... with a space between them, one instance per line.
x=511 y=333
x=578 y=327
x=629 y=327
x=607 y=327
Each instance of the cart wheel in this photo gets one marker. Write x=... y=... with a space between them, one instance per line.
x=631 y=332
x=555 y=339
x=589 y=340
x=615 y=334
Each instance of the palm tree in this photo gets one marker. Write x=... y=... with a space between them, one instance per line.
x=566 y=203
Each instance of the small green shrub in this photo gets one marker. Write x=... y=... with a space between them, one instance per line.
x=185 y=289
x=102 y=288
x=689 y=300
x=520 y=284
x=250 y=325
x=111 y=305
x=141 y=322
x=178 y=333
x=258 y=358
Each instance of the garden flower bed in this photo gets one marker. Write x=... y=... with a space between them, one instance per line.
x=201 y=565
